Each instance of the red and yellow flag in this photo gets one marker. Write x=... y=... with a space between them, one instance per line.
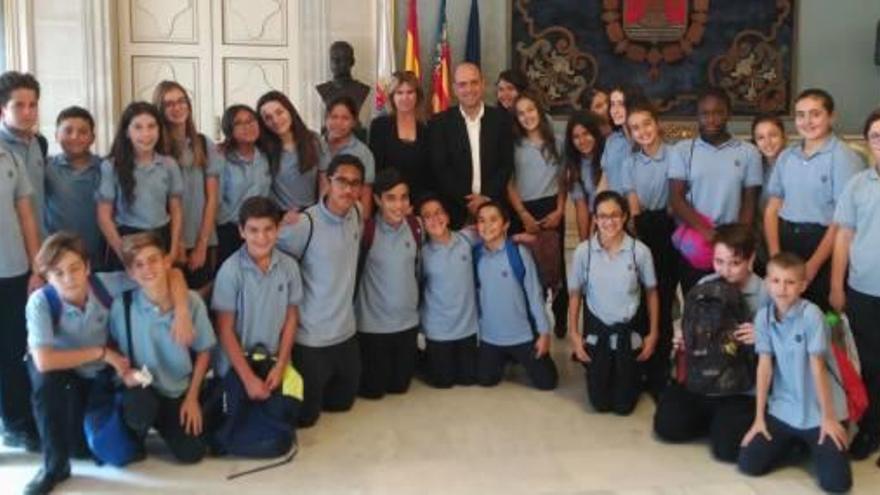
x=411 y=60
x=442 y=61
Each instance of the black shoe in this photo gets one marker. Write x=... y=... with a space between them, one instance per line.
x=863 y=445
x=23 y=440
x=44 y=482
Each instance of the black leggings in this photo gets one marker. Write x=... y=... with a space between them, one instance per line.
x=492 y=360
x=449 y=363
x=803 y=239
x=15 y=388
x=683 y=416
x=331 y=377
x=388 y=362
x=613 y=376
x=145 y=407
x=228 y=241
x=655 y=229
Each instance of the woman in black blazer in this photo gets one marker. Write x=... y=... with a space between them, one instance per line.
x=400 y=139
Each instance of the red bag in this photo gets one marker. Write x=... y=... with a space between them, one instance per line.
x=851 y=382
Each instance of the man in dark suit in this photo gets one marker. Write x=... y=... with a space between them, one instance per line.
x=471 y=148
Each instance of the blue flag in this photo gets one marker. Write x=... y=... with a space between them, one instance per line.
x=472 y=49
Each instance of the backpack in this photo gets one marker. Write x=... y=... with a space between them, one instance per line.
x=54 y=300
x=712 y=361
x=846 y=356
x=514 y=258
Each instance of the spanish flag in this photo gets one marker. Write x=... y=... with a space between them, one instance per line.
x=385 y=50
x=442 y=60
x=411 y=62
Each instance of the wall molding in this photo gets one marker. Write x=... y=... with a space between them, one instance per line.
x=102 y=71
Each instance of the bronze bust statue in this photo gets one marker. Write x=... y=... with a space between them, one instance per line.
x=342 y=84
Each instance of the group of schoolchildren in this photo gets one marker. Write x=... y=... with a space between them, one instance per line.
x=275 y=227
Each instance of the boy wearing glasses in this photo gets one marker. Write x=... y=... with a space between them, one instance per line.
x=327 y=243
x=858 y=219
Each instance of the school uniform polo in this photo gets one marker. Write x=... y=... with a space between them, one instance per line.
x=240 y=179
x=716 y=176
x=504 y=309
x=70 y=200
x=14 y=185
x=809 y=186
x=648 y=177
x=618 y=149
x=30 y=157
x=193 y=198
x=155 y=183
x=584 y=189
x=858 y=208
x=449 y=304
x=388 y=296
x=612 y=285
x=754 y=292
x=153 y=341
x=536 y=173
x=77 y=327
x=259 y=300
x=355 y=147
x=328 y=265
x=800 y=334
x=293 y=189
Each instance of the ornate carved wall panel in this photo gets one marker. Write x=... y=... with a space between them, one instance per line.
x=149 y=71
x=164 y=21
x=255 y=22
x=245 y=79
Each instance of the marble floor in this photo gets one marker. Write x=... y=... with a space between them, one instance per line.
x=508 y=439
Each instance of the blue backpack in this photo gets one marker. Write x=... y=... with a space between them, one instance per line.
x=514 y=258
x=54 y=300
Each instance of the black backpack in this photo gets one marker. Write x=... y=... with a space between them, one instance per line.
x=712 y=360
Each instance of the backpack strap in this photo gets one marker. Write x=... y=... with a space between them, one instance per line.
x=127 y=297
x=309 y=235
x=100 y=291
x=54 y=302
x=44 y=145
x=514 y=258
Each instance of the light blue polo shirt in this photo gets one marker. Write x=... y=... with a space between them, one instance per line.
x=754 y=292
x=193 y=199
x=293 y=189
x=858 y=208
x=14 y=185
x=240 y=179
x=70 y=201
x=355 y=147
x=449 y=301
x=154 y=346
x=77 y=328
x=536 y=174
x=716 y=176
x=388 y=297
x=30 y=156
x=612 y=285
x=809 y=186
x=328 y=267
x=155 y=184
x=504 y=311
x=648 y=177
x=801 y=333
x=617 y=151
x=259 y=300
x=585 y=184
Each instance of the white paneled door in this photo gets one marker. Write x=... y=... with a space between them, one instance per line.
x=222 y=51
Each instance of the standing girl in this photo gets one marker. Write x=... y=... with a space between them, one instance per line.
x=618 y=146
x=645 y=181
x=768 y=135
x=140 y=188
x=511 y=83
x=244 y=174
x=293 y=151
x=803 y=188
x=340 y=121
x=584 y=144
x=200 y=183
x=610 y=270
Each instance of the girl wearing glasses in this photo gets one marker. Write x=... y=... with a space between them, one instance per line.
x=806 y=182
x=244 y=173
x=610 y=271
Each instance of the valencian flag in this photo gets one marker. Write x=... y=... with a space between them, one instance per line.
x=385 y=49
x=472 y=48
x=442 y=60
x=411 y=60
